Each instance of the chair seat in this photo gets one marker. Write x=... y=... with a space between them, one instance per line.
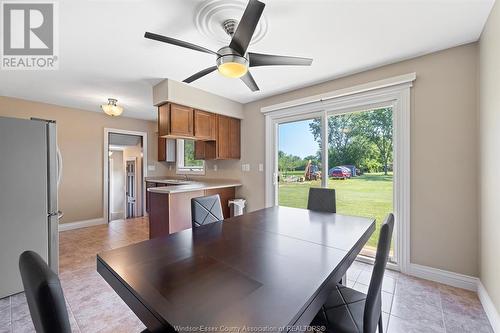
x=342 y=311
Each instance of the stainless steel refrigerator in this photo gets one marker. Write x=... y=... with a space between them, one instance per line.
x=30 y=167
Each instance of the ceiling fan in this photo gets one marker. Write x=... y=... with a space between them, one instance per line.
x=233 y=60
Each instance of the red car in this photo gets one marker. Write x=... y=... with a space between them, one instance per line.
x=339 y=172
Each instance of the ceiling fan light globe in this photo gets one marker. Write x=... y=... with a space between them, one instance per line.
x=232 y=66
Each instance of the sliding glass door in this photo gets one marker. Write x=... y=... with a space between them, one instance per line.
x=299 y=161
x=351 y=152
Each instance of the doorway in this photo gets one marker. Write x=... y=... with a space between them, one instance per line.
x=124 y=174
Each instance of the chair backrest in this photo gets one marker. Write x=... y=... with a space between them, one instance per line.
x=205 y=210
x=322 y=200
x=44 y=295
x=373 y=306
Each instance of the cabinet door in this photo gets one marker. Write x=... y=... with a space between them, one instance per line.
x=223 y=124
x=148 y=199
x=234 y=138
x=163 y=120
x=166 y=150
x=162 y=149
x=225 y=194
x=204 y=125
x=181 y=120
x=199 y=150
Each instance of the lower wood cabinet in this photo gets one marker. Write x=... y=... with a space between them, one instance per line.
x=171 y=212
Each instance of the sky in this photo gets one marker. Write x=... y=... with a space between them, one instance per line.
x=296 y=139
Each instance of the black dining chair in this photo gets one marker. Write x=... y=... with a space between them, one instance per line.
x=347 y=310
x=206 y=210
x=44 y=295
x=322 y=200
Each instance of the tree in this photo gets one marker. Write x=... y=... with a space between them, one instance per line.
x=288 y=162
x=363 y=138
x=343 y=145
x=376 y=127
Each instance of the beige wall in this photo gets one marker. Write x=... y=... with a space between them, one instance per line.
x=80 y=138
x=444 y=226
x=489 y=139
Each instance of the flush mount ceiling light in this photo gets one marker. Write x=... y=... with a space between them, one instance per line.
x=111 y=108
x=233 y=60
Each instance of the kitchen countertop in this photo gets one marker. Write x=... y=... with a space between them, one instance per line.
x=193 y=185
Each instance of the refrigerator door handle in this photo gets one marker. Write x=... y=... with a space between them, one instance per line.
x=59 y=166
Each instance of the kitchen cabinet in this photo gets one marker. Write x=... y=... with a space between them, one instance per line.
x=148 y=199
x=171 y=212
x=227 y=144
x=175 y=120
x=166 y=150
x=204 y=125
x=217 y=137
x=226 y=194
x=181 y=120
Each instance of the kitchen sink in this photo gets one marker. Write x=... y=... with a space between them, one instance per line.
x=175 y=182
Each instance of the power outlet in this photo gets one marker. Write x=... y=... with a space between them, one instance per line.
x=215 y=167
x=151 y=167
x=261 y=167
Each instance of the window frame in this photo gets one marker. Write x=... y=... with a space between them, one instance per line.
x=180 y=169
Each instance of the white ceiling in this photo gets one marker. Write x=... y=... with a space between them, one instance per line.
x=103 y=53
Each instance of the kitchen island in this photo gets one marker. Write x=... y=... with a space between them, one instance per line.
x=169 y=206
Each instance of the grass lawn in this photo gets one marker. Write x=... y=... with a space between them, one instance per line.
x=369 y=195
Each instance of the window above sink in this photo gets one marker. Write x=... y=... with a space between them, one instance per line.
x=186 y=162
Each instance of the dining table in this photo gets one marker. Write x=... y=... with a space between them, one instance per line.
x=269 y=270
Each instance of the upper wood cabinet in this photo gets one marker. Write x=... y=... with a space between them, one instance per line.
x=204 y=125
x=166 y=149
x=227 y=143
x=216 y=136
x=234 y=138
x=175 y=120
x=181 y=120
x=164 y=120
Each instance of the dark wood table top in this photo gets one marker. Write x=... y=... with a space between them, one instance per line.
x=270 y=269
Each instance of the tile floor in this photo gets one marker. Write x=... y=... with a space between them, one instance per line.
x=408 y=304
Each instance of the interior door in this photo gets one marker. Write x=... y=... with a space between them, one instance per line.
x=131 y=189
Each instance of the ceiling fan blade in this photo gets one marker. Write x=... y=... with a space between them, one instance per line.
x=200 y=74
x=250 y=82
x=258 y=59
x=246 y=27
x=177 y=42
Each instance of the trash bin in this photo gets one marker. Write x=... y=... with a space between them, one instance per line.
x=237 y=206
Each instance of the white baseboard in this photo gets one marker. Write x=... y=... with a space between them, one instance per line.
x=488 y=307
x=460 y=281
x=81 y=224
x=445 y=277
